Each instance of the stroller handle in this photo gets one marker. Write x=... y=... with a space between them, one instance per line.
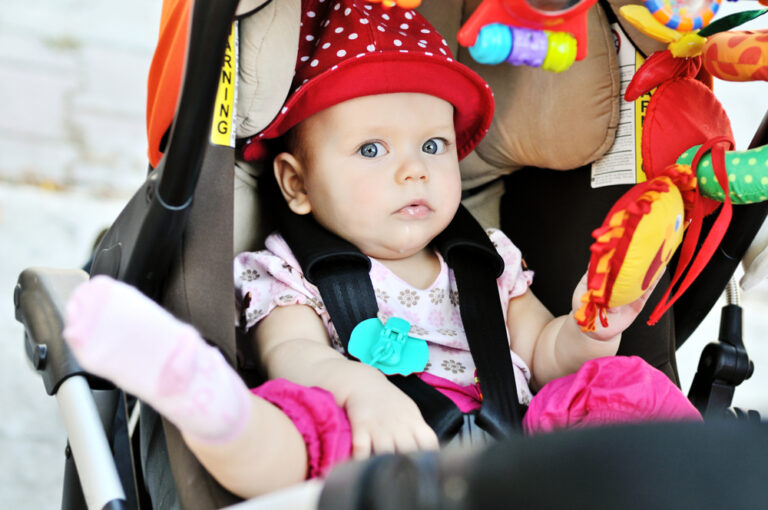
x=209 y=26
x=139 y=247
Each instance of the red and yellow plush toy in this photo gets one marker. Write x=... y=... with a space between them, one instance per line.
x=691 y=169
x=632 y=247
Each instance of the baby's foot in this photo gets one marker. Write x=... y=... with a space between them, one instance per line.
x=121 y=335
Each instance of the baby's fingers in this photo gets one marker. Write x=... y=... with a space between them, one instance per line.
x=425 y=437
x=362 y=444
x=382 y=441
x=405 y=441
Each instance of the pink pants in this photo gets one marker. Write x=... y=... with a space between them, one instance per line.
x=606 y=390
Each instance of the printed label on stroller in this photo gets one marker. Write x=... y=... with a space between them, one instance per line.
x=622 y=164
x=223 y=126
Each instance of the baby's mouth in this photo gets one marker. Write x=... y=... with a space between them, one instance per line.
x=416 y=209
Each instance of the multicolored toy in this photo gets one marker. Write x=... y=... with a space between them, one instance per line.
x=552 y=51
x=548 y=34
x=742 y=54
x=737 y=56
x=632 y=248
x=683 y=15
x=686 y=146
x=747 y=175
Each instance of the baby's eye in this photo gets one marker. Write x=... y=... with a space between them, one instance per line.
x=372 y=149
x=434 y=146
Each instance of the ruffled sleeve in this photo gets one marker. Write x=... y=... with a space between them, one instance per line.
x=270 y=278
x=515 y=279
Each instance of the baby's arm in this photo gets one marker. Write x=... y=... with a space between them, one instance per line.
x=554 y=347
x=293 y=344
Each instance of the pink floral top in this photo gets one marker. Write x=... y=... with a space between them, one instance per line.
x=272 y=277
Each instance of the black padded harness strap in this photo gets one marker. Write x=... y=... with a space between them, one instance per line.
x=476 y=265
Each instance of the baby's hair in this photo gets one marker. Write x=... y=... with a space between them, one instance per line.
x=293 y=141
x=270 y=197
x=290 y=142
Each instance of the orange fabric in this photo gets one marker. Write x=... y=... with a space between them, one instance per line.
x=165 y=73
x=737 y=56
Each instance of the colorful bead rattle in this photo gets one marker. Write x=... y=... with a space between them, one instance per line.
x=497 y=43
x=551 y=35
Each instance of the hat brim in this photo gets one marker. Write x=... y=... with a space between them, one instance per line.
x=393 y=72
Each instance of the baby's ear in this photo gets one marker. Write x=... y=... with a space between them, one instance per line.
x=289 y=174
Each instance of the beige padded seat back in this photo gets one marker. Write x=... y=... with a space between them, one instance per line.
x=543 y=119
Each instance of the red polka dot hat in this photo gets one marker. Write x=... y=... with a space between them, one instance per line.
x=352 y=48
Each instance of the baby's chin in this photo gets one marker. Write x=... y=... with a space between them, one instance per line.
x=392 y=250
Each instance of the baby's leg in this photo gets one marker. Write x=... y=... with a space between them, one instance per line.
x=119 y=334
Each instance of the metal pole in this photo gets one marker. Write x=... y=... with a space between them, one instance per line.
x=88 y=442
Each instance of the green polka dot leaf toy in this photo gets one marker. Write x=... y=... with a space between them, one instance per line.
x=686 y=128
x=747 y=175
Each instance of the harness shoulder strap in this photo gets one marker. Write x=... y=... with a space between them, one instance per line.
x=476 y=264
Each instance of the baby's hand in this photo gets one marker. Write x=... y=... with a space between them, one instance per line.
x=383 y=419
x=619 y=318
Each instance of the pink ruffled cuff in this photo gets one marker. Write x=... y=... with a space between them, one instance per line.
x=615 y=389
x=320 y=421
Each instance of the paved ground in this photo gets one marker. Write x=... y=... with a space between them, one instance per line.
x=72 y=89
x=72 y=81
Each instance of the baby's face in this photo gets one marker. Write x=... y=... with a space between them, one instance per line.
x=382 y=171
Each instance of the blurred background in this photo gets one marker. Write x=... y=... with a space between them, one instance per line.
x=72 y=151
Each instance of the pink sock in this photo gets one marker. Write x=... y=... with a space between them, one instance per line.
x=121 y=335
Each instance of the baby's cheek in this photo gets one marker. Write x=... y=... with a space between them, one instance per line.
x=367 y=195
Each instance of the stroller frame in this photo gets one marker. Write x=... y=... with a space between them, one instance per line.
x=140 y=249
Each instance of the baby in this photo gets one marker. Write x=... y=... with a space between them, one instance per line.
x=377 y=121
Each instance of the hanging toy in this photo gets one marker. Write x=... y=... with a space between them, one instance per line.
x=737 y=56
x=690 y=42
x=497 y=43
x=747 y=175
x=687 y=146
x=632 y=248
x=683 y=15
x=550 y=34
x=687 y=153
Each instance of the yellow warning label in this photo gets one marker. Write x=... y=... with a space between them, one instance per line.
x=641 y=106
x=222 y=128
x=623 y=163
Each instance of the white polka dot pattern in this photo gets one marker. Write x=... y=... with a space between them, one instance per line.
x=345 y=44
x=355 y=28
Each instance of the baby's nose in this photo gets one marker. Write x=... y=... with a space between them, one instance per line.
x=413 y=170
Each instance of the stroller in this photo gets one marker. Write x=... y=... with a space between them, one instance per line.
x=168 y=249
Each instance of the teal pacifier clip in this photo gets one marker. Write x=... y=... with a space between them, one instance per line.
x=388 y=347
